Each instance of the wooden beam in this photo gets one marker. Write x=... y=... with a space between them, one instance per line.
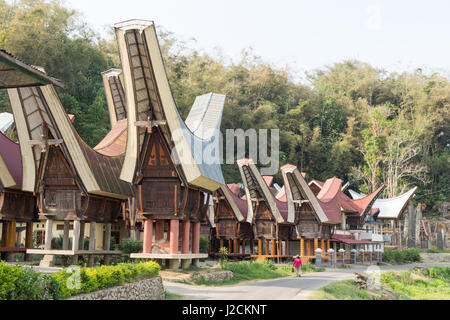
x=302 y=247
x=260 y=247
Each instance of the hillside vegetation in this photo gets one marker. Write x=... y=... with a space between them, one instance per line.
x=349 y=119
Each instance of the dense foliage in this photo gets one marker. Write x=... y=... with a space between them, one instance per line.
x=350 y=120
x=401 y=256
x=420 y=284
x=23 y=283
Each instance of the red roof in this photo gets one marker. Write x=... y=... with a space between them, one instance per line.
x=10 y=153
x=268 y=180
x=241 y=203
x=333 y=201
x=115 y=142
x=348 y=239
x=282 y=195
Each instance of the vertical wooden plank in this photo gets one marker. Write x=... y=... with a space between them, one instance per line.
x=4 y=234
x=29 y=236
x=322 y=247
x=287 y=248
x=328 y=246
x=302 y=247
x=273 y=250
x=316 y=246
x=267 y=247
x=259 y=247
x=308 y=248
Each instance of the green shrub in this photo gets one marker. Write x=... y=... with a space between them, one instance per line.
x=401 y=256
x=93 y=279
x=22 y=283
x=128 y=247
x=204 y=245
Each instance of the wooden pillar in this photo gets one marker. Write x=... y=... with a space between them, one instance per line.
x=230 y=246
x=174 y=235
x=302 y=247
x=159 y=232
x=251 y=247
x=316 y=246
x=11 y=240
x=148 y=236
x=280 y=248
x=267 y=247
x=76 y=239
x=65 y=244
x=328 y=246
x=196 y=238
x=82 y=233
x=107 y=242
x=273 y=248
x=308 y=248
x=185 y=237
x=28 y=239
x=286 y=252
x=92 y=242
x=4 y=234
x=221 y=244
x=260 y=247
x=322 y=246
x=48 y=234
x=236 y=246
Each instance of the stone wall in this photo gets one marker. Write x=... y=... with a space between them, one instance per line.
x=149 y=289
x=435 y=257
x=218 y=276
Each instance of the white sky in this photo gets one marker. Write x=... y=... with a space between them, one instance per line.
x=395 y=35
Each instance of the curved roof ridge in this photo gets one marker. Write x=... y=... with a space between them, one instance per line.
x=330 y=190
x=111 y=144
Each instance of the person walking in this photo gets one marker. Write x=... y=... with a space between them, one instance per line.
x=298 y=264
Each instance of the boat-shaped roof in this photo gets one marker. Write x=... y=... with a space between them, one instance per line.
x=334 y=201
x=149 y=96
x=389 y=208
x=15 y=73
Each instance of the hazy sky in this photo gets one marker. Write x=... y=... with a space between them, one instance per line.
x=395 y=35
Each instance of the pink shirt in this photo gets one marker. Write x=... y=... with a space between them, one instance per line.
x=298 y=263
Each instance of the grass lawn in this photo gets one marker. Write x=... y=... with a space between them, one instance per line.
x=419 y=284
x=172 y=296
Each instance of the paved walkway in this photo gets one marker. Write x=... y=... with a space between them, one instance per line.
x=279 y=289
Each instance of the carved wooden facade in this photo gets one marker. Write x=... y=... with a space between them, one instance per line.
x=161 y=194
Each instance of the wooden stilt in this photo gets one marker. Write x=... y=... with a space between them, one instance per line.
x=308 y=248
x=92 y=243
x=260 y=245
x=174 y=235
x=107 y=241
x=302 y=247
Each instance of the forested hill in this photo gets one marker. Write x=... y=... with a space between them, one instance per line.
x=349 y=120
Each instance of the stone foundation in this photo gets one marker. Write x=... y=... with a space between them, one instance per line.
x=435 y=257
x=149 y=289
x=219 y=276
